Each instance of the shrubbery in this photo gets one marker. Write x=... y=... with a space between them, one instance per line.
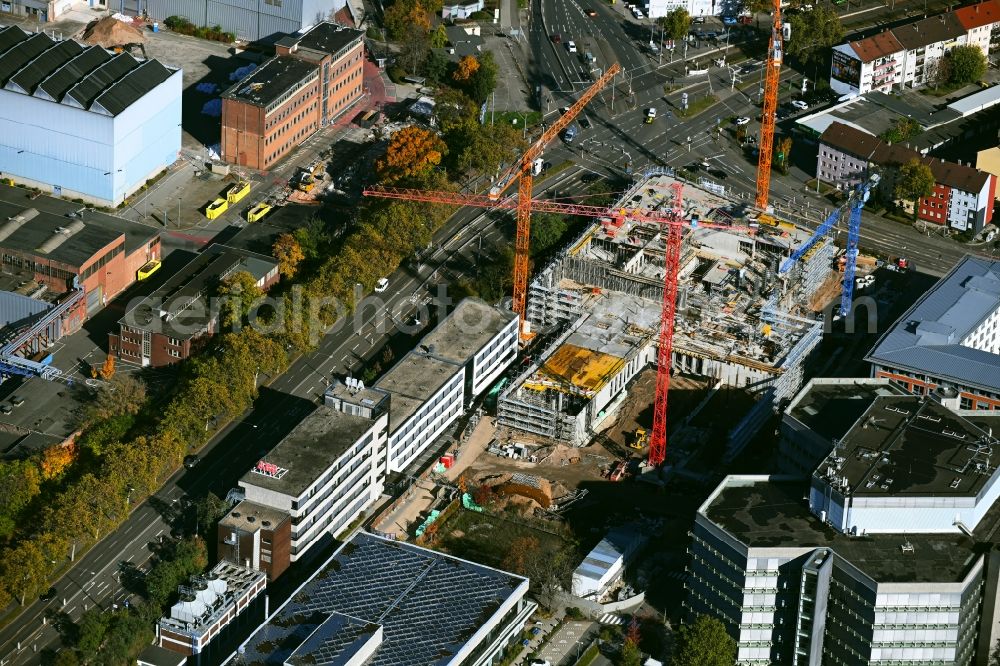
x=182 y=26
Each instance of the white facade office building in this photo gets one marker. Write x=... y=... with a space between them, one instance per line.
x=324 y=473
x=427 y=395
x=882 y=557
x=479 y=337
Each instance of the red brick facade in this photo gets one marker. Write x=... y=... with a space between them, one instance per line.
x=257 y=137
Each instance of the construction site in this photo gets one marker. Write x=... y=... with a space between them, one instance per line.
x=738 y=325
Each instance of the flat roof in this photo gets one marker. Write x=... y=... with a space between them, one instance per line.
x=67 y=72
x=101 y=228
x=413 y=381
x=209 y=597
x=249 y=517
x=466 y=330
x=831 y=407
x=265 y=84
x=927 y=338
x=309 y=450
x=911 y=446
x=428 y=604
x=764 y=513
x=325 y=37
x=191 y=284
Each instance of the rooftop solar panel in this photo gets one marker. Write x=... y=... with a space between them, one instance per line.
x=427 y=603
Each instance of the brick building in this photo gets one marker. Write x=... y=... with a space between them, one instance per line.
x=256 y=536
x=162 y=328
x=314 y=78
x=85 y=249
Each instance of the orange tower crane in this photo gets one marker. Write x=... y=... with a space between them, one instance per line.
x=673 y=223
x=770 y=103
x=521 y=171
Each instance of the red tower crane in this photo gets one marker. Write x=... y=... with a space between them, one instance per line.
x=775 y=51
x=673 y=224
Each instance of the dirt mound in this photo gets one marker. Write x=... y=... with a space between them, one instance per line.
x=109 y=32
x=558 y=454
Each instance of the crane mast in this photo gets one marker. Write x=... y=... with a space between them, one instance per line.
x=770 y=106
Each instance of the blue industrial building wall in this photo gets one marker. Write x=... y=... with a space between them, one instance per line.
x=241 y=16
x=147 y=136
x=44 y=143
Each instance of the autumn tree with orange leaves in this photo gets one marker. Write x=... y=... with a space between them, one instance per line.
x=289 y=254
x=467 y=67
x=412 y=152
x=55 y=460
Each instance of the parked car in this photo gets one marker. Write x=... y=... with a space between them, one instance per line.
x=591 y=13
x=729 y=20
x=48 y=595
x=16 y=400
x=698 y=19
x=799 y=104
x=382 y=285
x=650 y=114
x=191 y=461
x=6 y=409
x=556 y=38
x=742 y=120
x=584 y=122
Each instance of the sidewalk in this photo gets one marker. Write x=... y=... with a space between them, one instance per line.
x=400 y=520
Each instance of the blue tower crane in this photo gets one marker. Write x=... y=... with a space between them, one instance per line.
x=856 y=202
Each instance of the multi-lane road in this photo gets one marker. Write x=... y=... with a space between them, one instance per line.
x=96 y=577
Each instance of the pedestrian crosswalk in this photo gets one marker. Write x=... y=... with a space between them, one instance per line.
x=611 y=618
x=678 y=575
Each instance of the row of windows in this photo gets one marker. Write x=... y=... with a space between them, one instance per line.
x=41 y=269
x=276 y=104
x=273 y=136
x=100 y=263
x=290 y=142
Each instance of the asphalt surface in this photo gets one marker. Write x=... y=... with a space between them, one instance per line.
x=96 y=578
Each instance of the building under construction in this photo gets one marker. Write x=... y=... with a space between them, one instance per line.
x=602 y=300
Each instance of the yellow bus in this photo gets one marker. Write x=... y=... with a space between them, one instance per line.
x=216 y=208
x=239 y=190
x=258 y=211
x=148 y=269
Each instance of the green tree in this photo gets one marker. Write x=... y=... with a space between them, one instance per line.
x=630 y=654
x=90 y=631
x=312 y=238
x=238 y=293
x=483 y=82
x=439 y=37
x=901 y=130
x=123 y=394
x=547 y=230
x=454 y=109
x=915 y=180
x=435 y=67
x=966 y=64
x=25 y=570
x=20 y=483
x=813 y=34
x=675 y=24
x=475 y=149
x=208 y=510
x=704 y=642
